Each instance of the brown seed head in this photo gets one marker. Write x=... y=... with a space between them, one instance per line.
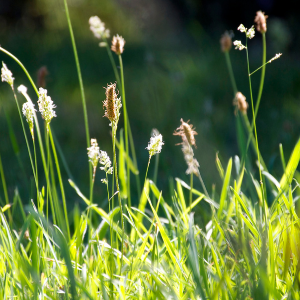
x=112 y=103
x=260 y=20
x=240 y=102
x=226 y=42
x=118 y=44
x=187 y=133
x=42 y=73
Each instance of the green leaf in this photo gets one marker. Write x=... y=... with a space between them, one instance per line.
x=225 y=187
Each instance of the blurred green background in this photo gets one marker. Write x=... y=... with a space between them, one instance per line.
x=173 y=69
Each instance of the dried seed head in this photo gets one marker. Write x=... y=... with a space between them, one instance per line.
x=41 y=76
x=240 y=103
x=155 y=144
x=187 y=132
x=226 y=42
x=260 y=20
x=6 y=75
x=193 y=164
x=117 y=44
x=112 y=104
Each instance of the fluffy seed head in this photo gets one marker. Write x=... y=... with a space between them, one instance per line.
x=187 y=133
x=117 y=44
x=6 y=75
x=46 y=106
x=98 y=28
x=260 y=20
x=193 y=164
x=112 y=104
x=155 y=144
x=240 y=103
x=226 y=42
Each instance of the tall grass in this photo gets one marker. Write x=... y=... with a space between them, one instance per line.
x=247 y=250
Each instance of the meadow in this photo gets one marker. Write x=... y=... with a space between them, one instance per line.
x=139 y=241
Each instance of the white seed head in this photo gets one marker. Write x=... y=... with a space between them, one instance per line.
x=98 y=28
x=251 y=33
x=193 y=164
x=28 y=111
x=155 y=144
x=93 y=153
x=239 y=45
x=104 y=160
x=23 y=90
x=6 y=75
x=275 y=57
x=242 y=28
x=46 y=106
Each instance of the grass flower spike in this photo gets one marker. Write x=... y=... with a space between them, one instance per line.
x=242 y=28
x=240 y=103
x=105 y=161
x=117 y=44
x=275 y=57
x=93 y=154
x=27 y=108
x=155 y=145
x=261 y=21
x=112 y=104
x=193 y=164
x=46 y=106
x=239 y=45
x=187 y=133
x=98 y=28
x=251 y=32
x=226 y=42
x=6 y=75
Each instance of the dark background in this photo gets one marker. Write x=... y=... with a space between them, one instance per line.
x=173 y=69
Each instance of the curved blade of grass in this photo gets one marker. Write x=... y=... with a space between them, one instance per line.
x=225 y=187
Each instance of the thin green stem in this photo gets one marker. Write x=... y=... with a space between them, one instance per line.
x=191 y=190
x=255 y=131
x=262 y=79
x=60 y=182
x=114 y=129
x=231 y=75
x=125 y=129
x=86 y=123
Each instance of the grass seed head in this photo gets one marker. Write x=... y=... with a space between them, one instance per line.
x=261 y=21
x=98 y=28
x=226 y=42
x=6 y=75
x=240 y=103
x=117 y=44
x=46 y=106
x=112 y=104
x=155 y=144
x=193 y=164
x=187 y=133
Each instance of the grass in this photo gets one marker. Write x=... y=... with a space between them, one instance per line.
x=248 y=249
